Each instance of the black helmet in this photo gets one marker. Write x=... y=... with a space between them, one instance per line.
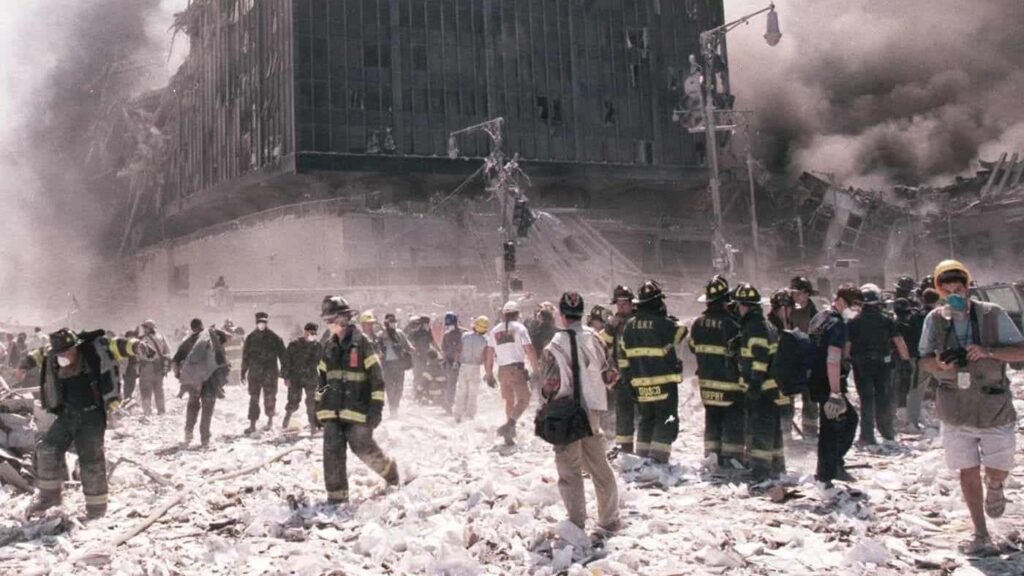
x=871 y=294
x=717 y=288
x=622 y=292
x=63 y=340
x=782 y=298
x=901 y=305
x=334 y=306
x=926 y=283
x=746 y=294
x=803 y=284
x=649 y=291
x=598 y=312
x=905 y=284
x=571 y=305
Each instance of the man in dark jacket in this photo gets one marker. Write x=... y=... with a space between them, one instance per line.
x=396 y=359
x=78 y=383
x=451 y=353
x=350 y=401
x=300 y=374
x=422 y=340
x=873 y=335
x=202 y=398
x=804 y=311
x=261 y=355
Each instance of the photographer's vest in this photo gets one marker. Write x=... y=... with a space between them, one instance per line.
x=987 y=403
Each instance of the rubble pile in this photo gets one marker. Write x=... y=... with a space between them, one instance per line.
x=466 y=508
x=18 y=429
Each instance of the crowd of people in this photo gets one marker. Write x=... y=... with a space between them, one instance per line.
x=605 y=381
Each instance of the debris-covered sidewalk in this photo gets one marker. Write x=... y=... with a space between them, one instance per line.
x=254 y=505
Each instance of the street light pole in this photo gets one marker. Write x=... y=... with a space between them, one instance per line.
x=709 y=42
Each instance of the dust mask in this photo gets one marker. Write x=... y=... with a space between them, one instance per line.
x=311 y=337
x=63 y=361
x=261 y=326
x=956 y=302
x=849 y=313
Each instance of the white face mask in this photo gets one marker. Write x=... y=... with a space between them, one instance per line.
x=261 y=326
x=311 y=337
x=849 y=313
x=63 y=361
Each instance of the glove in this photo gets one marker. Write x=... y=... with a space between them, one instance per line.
x=491 y=381
x=835 y=407
x=754 y=391
x=114 y=406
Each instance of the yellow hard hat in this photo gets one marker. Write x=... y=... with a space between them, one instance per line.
x=951 y=269
x=367 y=317
x=481 y=324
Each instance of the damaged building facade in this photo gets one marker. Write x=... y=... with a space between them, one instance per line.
x=305 y=146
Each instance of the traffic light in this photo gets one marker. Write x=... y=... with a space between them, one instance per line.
x=522 y=218
x=510 y=256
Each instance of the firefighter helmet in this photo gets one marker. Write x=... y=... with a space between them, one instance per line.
x=717 y=288
x=746 y=294
x=950 y=271
x=782 y=298
x=598 y=312
x=649 y=291
x=571 y=304
x=63 y=340
x=927 y=283
x=871 y=294
x=622 y=292
x=802 y=284
x=367 y=318
x=905 y=284
x=335 y=306
x=451 y=319
x=510 y=307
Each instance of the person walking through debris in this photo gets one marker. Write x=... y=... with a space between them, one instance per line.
x=801 y=316
x=130 y=378
x=542 y=326
x=472 y=352
x=422 y=340
x=597 y=320
x=872 y=335
x=572 y=365
x=152 y=371
x=966 y=344
x=262 y=354
x=300 y=374
x=451 y=353
x=919 y=383
x=625 y=405
x=509 y=346
x=77 y=382
x=396 y=360
x=350 y=401
x=758 y=343
x=201 y=365
x=828 y=387
x=718 y=375
x=652 y=371
x=780 y=315
x=233 y=348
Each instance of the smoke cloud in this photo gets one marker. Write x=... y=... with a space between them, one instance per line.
x=65 y=64
x=881 y=93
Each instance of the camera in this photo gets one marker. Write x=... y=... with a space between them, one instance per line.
x=956 y=356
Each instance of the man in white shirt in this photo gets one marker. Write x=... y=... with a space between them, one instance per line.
x=509 y=345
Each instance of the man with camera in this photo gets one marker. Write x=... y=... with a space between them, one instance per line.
x=966 y=345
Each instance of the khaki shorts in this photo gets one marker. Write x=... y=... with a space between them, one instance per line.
x=967 y=447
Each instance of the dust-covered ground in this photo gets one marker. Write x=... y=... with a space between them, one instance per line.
x=468 y=508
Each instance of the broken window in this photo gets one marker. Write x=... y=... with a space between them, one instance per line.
x=645 y=152
x=609 y=113
x=556 y=111
x=638 y=39
x=542 y=108
x=355 y=99
x=634 y=75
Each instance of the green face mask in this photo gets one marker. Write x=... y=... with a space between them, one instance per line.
x=956 y=302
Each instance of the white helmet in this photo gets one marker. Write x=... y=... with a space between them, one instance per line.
x=510 y=307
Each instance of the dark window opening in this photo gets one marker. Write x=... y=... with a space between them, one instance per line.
x=556 y=111
x=542 y=108
x=355 y=99
x=609 y=113
x=634 y=75
x=419 y=58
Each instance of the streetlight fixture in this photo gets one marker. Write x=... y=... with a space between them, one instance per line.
x=710 y=40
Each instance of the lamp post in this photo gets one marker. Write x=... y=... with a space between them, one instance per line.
x=709 y=43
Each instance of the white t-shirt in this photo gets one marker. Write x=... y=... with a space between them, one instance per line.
x=508 y=342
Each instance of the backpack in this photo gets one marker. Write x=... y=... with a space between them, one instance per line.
x=793 y=362
x=200 y=363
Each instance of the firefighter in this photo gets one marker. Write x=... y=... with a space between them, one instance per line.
x=233 y=347
x=78 y=383
x=758 y=343
x=873 y=334
x=903 y=371
x=261 y=354
x=597 y=320
x=299 y=373
x=625 y=405
x=396 y=354
x=152 y=372
x=780 y=315
x=905 y=287
x=718 y=375
x=652 y=371
x=451 y=350
x=350 y=400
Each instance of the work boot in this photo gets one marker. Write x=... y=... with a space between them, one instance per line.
x=188 y=438
x=42 y=502
x=270 y=422
x=508 y=432
x=844 y=475
x=392 y=475
x=251 y=428
x=94 y=511
x=287 y=418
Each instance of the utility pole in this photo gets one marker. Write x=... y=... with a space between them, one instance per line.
x=753 y=221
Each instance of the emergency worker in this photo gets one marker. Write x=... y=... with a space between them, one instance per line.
x=718 y=375
x=262 y=356
x=350 y=401
x=152 y=371
x=300 y=374
x=803 y=312
x=653 y=371
x=625 y=405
